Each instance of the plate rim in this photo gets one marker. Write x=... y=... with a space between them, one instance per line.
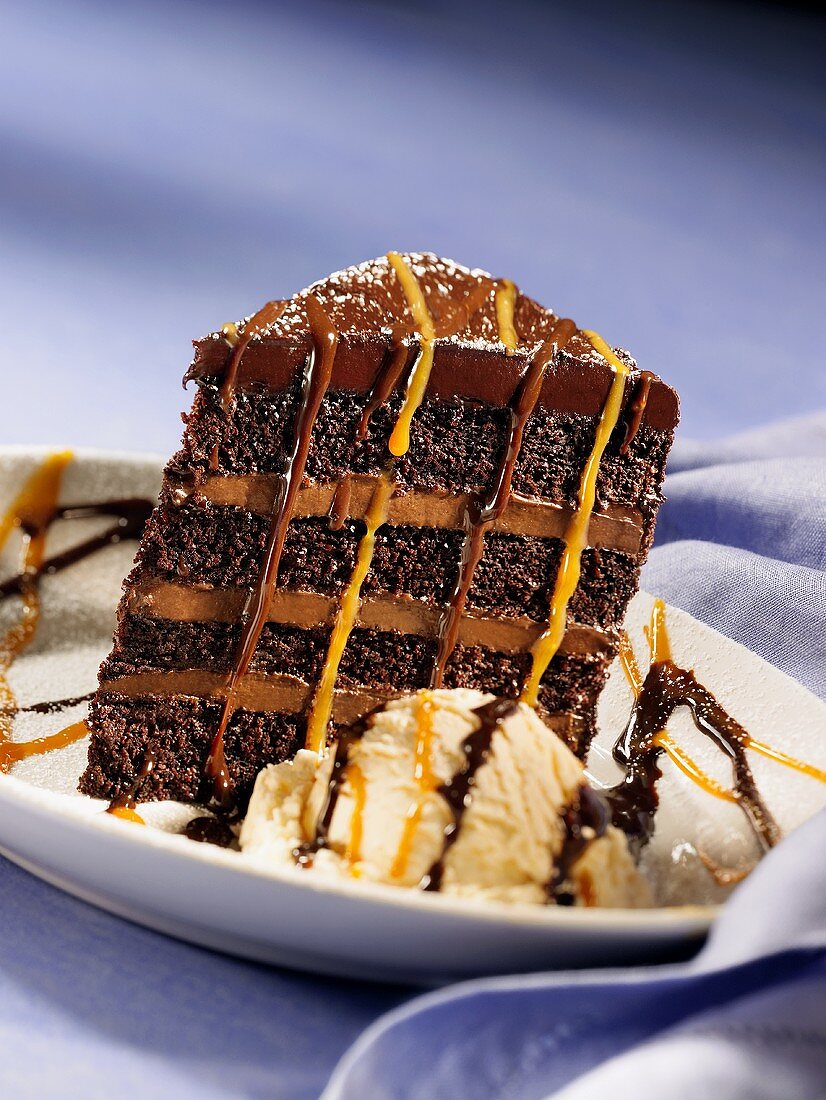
x=51 y=805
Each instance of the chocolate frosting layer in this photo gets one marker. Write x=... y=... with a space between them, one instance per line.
x=367 y=306
x=617 y=527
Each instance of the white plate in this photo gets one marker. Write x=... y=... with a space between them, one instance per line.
x=215 y=898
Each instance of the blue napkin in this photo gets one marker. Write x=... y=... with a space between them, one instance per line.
x=741 y=544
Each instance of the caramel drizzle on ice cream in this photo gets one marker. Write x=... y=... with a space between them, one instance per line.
x=426 y=780
x=305 y=852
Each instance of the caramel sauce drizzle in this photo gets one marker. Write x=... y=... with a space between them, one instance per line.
x=787 y=761
x=628 y=660
x=659 y=647
x=484 y=511
x=689 y=767
x=505 y=303
x=636 y=409
x=319 y=716
x=13 y=751
x=425 y=778
x=126 y=813
x=656 y=634
x=358 y=788
x=660 y=651
x=31 y=512
x=400 y=436
x=305 y=852
x=315 y=383
x=576 y=536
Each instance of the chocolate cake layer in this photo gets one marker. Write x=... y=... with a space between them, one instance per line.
x=577 y=383
x=374 y=659
x=207 y=545
x=618 y=527
x=494 y=475
x=180 y=730
x=454 y=446
x=170 y=605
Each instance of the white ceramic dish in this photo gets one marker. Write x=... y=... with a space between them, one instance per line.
x=215 y=898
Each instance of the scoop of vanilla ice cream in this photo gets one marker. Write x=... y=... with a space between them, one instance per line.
x=390 y=819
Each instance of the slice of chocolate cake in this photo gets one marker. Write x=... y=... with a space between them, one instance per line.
x=409 y=474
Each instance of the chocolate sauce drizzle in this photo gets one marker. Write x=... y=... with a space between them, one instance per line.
x=636 y=409
x=340 y=504
x=393 y=366
x=585 y=821
x=316 y=379
x=126 y=802
x=210 y=830
x=634 y=801
x=483 y=511
x=304 y=853
x=132 y=514
x=457 y=793
x=51 y=706
x=258 y=323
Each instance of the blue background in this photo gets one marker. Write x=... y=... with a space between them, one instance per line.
x=656 y=171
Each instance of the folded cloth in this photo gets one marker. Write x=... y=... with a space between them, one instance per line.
x=741 y=544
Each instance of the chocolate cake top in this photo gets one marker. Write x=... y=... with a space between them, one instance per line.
x=483 y=331
x=369 y=298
